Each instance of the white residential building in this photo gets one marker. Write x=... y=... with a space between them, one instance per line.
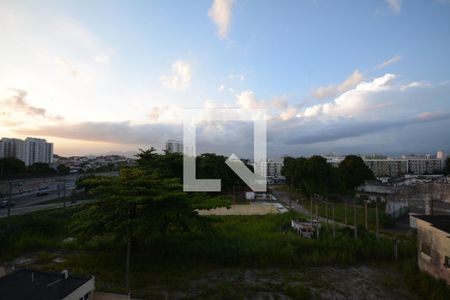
x=30 y=150
x=270 y=168
x=425 y=164
x=173 y=146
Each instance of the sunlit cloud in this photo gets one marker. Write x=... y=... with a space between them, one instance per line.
x=220 y=14
x=181 y=76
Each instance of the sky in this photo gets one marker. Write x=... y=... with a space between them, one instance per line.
x=337 y=77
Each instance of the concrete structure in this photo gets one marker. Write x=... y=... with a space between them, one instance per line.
x=414 y=196
x=173 y=146
x=37 y=285
x=433 y=238
x=334 y=160
x=270 y=168
x=12 y=148
x=245 y=209
x=425 y=164
x=389 y=167
x=30 y=150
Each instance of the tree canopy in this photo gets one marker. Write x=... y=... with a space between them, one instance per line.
x=312 y=175
x=354 y=171
x=141 y=204
x=315 y=176
x=10 y=166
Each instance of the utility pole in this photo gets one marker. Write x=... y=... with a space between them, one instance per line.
x=9 y=205
x=64 y=192
x=345 y=211
x=376 y=218
x=290 y=197
x=365 y=215
x=131 y=216
x=334 y=232
x=317 y=223
x=326 y=209
x=354 y=221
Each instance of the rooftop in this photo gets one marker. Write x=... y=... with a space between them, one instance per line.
x=38 y=285
x=439 y=222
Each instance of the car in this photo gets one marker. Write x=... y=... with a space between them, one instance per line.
x=41 y=194
x=6 y=203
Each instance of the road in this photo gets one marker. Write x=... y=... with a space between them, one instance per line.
x=284 y=198
x=34 y=208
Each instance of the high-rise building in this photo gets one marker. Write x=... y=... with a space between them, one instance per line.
x=425 y=164
x=12 y=148
x=30 y=150
x=387 y=167
x=270 y=168
x=173 y=146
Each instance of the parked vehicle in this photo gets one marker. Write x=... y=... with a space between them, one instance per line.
x=6 y=203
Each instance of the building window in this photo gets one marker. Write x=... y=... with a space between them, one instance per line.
x=426 y=249
x=447 y=262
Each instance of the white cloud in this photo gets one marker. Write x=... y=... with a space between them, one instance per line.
x=180 y=78
x=247 y=99
x=390 y=61
x=220 y=14
x=241 y=77
x=394 y=5
x=68 y=67
x=102 y=59
x=335 y=89
x=352 y=101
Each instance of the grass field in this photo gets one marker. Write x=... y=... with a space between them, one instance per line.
x=232 y=243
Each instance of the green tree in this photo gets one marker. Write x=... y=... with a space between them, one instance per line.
x=10 y=166
x=354 y=171
x=63 y=169
x=311 y=175
x=40 y=168
x=447 y=166
x=139 y=205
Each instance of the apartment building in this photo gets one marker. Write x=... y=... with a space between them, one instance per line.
x=425 y=164
x=30 y=150
x=270 y=168
x=173 y=146
x=387 y=167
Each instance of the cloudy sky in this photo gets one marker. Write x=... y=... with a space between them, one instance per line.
x=334 y=76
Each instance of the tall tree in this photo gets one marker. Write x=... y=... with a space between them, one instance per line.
x=139 y=205
x=447 y=166
x=354 y=171
x=10 y=166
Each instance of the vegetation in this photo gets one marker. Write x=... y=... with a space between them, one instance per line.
x=231 y=242
x=315 y=176
x=447 y=166
x=170 y=165
x=11 y=167
x=354 y=171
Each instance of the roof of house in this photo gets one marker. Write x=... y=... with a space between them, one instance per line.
x=28 y=284
x=439 y=222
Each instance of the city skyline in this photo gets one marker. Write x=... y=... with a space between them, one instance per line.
x=327 y=84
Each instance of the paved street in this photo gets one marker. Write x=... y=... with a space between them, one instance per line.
x=283 y=197
x=34 y=208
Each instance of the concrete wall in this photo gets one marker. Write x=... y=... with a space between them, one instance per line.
x=242 y=209
x=110 y=296
x=82 y=291
x=439 y=244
